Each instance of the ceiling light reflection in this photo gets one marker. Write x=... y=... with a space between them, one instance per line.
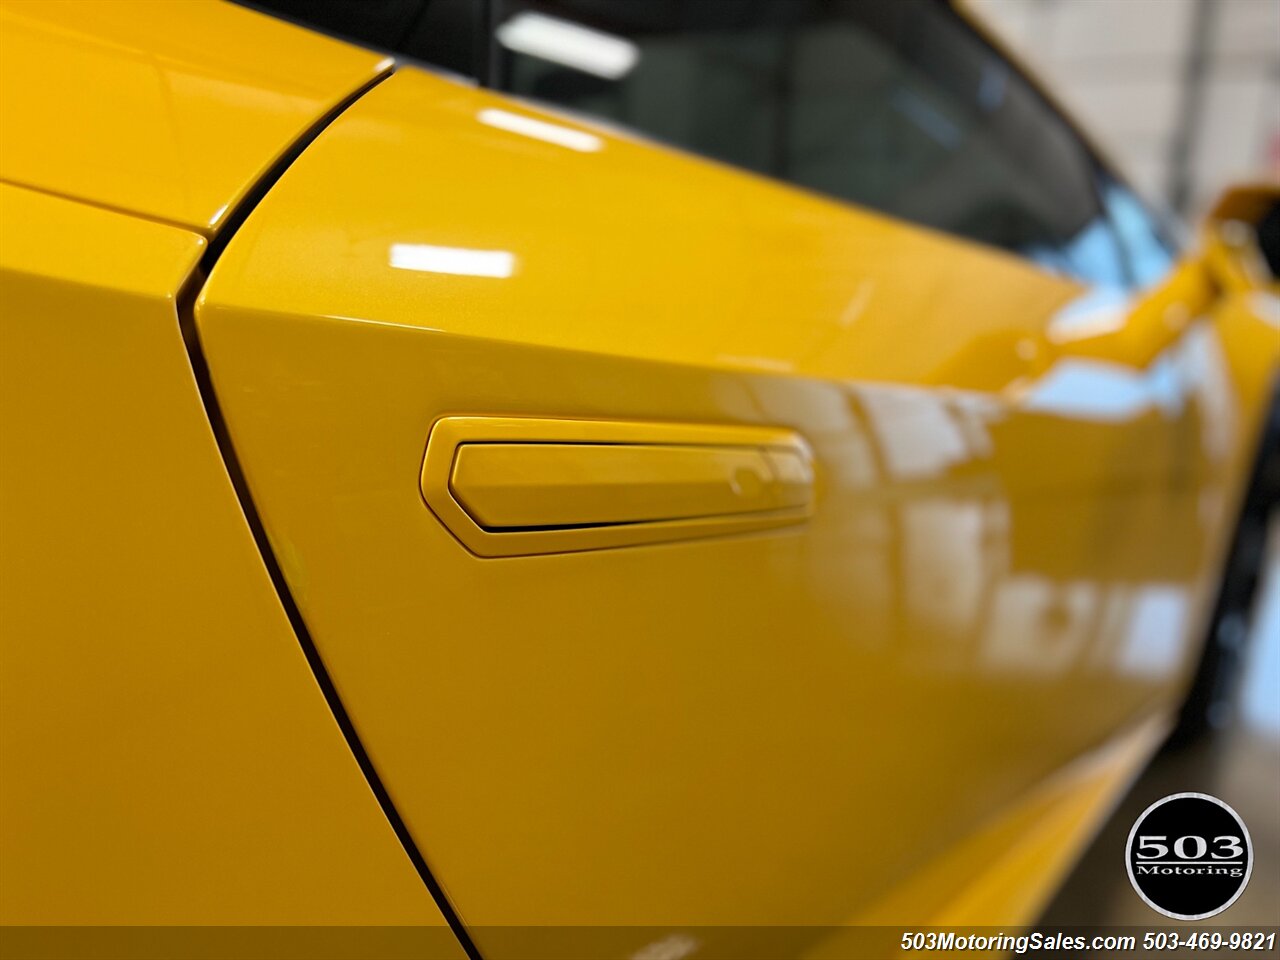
x=1097 y=311
x=570 y=44
x=578 y=140
x=456 y=260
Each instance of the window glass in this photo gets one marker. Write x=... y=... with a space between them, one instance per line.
x=445 y=33
x=892 y=104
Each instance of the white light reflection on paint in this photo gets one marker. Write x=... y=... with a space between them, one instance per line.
x=1097 y=311
x=675 y=947
x=1102 y=391
x=460 y=261
x=561 y=136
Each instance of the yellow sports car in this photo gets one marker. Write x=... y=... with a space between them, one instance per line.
x=589 y=477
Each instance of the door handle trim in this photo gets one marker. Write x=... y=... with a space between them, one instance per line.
x=501 y=516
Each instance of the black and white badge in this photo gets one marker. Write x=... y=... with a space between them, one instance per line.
x=1189 y=856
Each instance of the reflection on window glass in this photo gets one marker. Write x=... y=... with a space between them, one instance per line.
x=1093 y=254
x=892 y=104
x=1149 y=255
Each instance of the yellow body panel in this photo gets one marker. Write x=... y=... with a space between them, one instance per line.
x=911 y=701
x=1005 y=870
x=1014 y=540
x=166 y=756
x=165 y=109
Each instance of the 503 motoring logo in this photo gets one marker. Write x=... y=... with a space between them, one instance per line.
x=1189 y=856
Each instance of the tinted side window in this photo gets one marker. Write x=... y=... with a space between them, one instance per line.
x=892 y=104
x=446 y=33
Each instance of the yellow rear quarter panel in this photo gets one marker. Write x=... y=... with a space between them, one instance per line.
x=166 y=756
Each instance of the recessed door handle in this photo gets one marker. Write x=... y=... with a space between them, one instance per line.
x=507 y=486
x=532 y=485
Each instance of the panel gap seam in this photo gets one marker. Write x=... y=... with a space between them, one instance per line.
x=185 y=306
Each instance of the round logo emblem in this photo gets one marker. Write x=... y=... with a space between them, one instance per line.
x=1189 y=856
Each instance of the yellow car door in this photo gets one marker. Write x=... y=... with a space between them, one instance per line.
x=694 y=551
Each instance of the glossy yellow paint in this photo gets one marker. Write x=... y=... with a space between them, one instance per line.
x=589 y=484
x=168 y=110
x=1231 y=253
x=914 y=704
x=1140 y=330
x=1007 y=869
x=165 y=754
x=515 y=485
x=1013 y=544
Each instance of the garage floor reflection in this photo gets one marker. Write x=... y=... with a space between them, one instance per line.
x=1240 y=765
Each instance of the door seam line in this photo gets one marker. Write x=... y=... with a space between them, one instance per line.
x=186 y=302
